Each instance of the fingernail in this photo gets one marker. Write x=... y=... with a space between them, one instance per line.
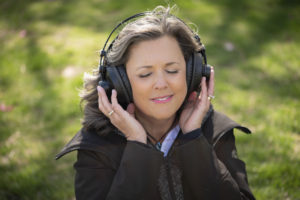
x=98 y=88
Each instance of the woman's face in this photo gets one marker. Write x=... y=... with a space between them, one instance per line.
x=157 y=73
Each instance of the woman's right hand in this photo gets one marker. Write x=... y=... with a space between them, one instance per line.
x=123 y=120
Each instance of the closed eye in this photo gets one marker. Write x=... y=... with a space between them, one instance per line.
x=172 y=71
x=144 y=75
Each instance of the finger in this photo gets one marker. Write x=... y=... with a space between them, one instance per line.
x=200 y=95
x=211 y=83
x=203 y=89
x=206 y=98
x=106 y=105
x=118 y=114
x=115 y=104
x=202 y=101
x=100 y=104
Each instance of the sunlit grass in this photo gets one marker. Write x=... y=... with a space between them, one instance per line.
x=46 y=46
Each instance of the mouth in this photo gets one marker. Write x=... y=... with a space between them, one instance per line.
x=163 y=99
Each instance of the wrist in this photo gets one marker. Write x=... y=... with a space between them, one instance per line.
x=141 y=139
x=190 y=128
x=186 y=131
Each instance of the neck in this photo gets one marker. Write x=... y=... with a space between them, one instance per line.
x=157 y=128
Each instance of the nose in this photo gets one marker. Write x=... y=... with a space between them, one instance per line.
x=160 y=82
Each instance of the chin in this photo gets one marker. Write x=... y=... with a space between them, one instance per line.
x=163 y=115
x=158 y=112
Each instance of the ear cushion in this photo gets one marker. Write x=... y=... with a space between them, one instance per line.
x=194 y=72
x=117 y=76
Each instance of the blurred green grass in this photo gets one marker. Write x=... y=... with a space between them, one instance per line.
x=47 y=45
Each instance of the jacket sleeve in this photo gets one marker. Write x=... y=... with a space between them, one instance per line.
x=218 y=173
x=135 y=176
x=227 y=153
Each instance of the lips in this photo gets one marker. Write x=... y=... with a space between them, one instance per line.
x=162 y=99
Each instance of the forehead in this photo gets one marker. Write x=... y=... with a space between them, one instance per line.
x=162 y=50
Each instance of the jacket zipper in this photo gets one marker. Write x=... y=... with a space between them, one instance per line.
x=169 y=177
x=170 y=182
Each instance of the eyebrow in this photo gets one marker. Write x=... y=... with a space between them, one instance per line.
x=150 y=66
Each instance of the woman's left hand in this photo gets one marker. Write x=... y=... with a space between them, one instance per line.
x=197 y=106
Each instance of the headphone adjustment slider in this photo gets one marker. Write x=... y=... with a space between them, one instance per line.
x=198 y=39
x=103 y=53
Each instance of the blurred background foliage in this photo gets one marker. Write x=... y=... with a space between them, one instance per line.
x=47 y=45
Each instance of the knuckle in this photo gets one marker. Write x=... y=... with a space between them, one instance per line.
x=112 y=120
x=115 y=107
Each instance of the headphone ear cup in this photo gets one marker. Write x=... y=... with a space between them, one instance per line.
x=117 y=76
x=189 y=70
x=106 y=86
x=194 y=72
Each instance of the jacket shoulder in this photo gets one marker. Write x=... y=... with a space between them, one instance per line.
x=87 y=140
x=218 y=125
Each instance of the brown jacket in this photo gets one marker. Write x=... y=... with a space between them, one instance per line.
x=202 y=164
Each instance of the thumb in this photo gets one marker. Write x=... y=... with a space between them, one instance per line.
x=130 y=109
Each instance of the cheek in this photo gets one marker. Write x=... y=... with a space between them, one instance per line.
x=183 y=93
x=139 y=89
x=181 y=85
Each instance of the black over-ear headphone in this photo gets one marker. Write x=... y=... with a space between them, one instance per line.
x=115 y=77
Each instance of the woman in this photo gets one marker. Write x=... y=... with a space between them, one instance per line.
x=168 y=143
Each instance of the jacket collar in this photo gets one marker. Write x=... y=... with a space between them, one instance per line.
x=219 y=125
x=215 y=126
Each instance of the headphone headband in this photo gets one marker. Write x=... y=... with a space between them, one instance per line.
x=104 y=52
x=115 y=77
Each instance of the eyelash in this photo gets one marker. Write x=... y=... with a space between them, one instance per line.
x=146 y=75
x=173 y=72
